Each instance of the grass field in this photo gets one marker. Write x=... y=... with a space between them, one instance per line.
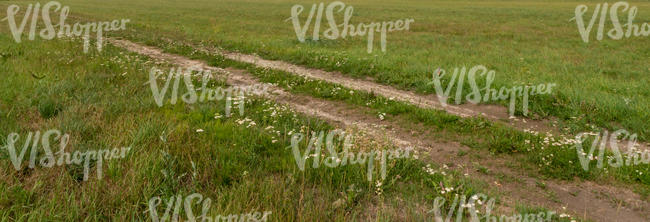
x=244 y=163
x=541 y=45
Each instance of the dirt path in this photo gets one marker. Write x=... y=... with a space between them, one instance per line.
x=492 y=112
x=586 y=199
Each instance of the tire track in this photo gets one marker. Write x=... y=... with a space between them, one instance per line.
x=495 y=113
x=587 y=200
x=491 y=112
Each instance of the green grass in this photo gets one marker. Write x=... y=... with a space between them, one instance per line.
x=525 y=42
x=103 y=102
